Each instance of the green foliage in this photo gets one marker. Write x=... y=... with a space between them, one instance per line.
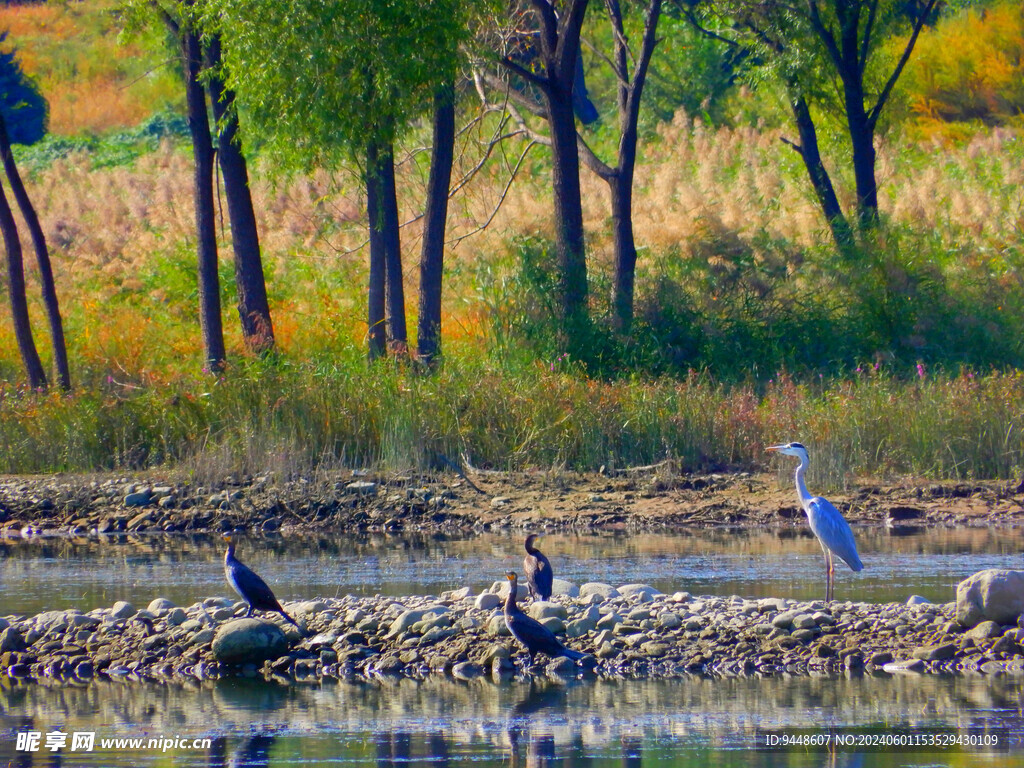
x=745 y=309
x=688 y=71
x=108 y=150
x=317 y=80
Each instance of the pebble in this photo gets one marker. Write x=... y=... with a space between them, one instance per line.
x=628 y=632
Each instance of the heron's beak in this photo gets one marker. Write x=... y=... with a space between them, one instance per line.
x=775 y=447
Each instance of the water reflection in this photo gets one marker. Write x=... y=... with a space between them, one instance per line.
x=56 y=573
x=441 y=722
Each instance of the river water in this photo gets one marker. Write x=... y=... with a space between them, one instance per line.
x=694 y=721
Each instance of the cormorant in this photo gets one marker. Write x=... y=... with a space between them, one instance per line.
x=251 y=587
x=538 y=570
x=531 y=633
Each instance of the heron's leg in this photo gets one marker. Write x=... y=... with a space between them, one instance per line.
x=824 y=552
x=832 y=577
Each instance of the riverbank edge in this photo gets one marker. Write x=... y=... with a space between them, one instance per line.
x=632 y=631
x=647 y=498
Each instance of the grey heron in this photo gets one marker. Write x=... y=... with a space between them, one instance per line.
x=826 y=523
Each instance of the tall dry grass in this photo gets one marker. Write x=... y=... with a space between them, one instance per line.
x=92 y=83
x=124 y=234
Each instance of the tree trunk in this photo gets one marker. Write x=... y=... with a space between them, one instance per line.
x=820 y=179
x=16 y=291
x=851 y=71
x=206 y=233
x=863 y=142
x=253 y=307
x=625 y=249
x=568 y=206
x=428 y=337
x=28 y=212
x=393 y=278
x=376 y=333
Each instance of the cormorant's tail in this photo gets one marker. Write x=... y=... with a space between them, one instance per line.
x=293 y=621
x=569 y=653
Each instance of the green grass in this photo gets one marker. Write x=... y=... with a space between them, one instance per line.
x=272 y=415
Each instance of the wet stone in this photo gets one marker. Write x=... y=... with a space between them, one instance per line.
x=936 y=652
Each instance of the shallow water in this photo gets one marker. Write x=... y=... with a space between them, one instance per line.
x=689 y=722
x=58 y=573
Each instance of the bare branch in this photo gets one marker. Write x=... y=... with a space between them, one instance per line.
x=509 y=93
x=501 y=198
x=825 y=34
x=523 y=72
x=593 y=162
x=793 y=144
x=883 y=97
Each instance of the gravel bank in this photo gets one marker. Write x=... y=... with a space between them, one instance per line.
x=630 y=632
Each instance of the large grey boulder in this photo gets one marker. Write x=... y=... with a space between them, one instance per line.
x=249 y=641
x=996 y=594
x=646 y=591
x=541 y=610
x=563 y=587
x=602 y=590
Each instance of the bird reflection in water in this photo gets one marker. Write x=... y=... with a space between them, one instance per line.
x=534 y=737
x=395 y=748
x=253 y=751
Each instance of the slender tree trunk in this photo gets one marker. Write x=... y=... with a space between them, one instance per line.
x=28 y=212
x=851 y=71
x=393 y=278
x=377 y=333
x=568 y=206
x=206 y=233
x=16 y=291
x=810 y=153
x=863 y=141
x=428 y=337
x=621 y=178
x=253 y=307
x=625 y=249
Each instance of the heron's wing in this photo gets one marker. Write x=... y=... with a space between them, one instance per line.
x=833 y=531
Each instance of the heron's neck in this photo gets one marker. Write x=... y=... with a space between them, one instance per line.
x=801 y=487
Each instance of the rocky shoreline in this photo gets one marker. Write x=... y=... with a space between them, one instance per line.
x=645 y=499
x=632 y=631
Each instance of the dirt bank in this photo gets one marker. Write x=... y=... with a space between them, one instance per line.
x=365 y=501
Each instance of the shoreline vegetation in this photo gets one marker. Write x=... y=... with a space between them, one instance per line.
x=898 y=358
x=280 y=417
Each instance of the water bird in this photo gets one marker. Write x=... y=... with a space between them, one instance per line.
x=249 y=586
x=531 y=633
x=826 y=523
x=537 y=567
